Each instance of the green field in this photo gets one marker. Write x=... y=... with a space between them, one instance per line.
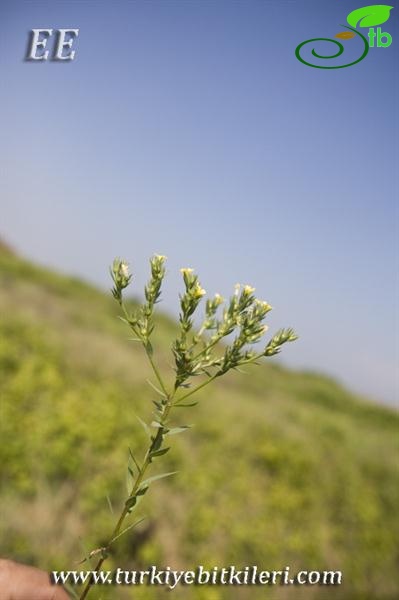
x=281 y=467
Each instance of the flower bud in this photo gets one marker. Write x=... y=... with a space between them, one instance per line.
x=124 y=270
x=248 y=290
x=120 y=273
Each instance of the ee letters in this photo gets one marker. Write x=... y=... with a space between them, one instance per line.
x=62 y=44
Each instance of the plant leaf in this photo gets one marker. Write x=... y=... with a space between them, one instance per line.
x=126 y=529
x=110 y=505
x=156 y=477
x=130 y=502
x=157 y=405
x=369 y=16
x=176 y=430
x=133 y=501
x=87 y=555
x=129 y=479
x=134 y=460
x=159 y=452
x=157 y=440
x=142 y=490
x=154 y=387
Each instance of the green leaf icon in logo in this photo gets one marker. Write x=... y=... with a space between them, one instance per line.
x=369 y=16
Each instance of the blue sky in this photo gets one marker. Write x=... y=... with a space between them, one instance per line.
x=190 y=129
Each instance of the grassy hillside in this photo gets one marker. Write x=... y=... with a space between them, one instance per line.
x=291 y=469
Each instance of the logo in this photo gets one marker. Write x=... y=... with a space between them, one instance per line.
x=62 y=47
x=367 y=17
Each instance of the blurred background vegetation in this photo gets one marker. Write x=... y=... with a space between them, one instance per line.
x=291 y=469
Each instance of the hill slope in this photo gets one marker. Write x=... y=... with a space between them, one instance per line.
x=282 y=468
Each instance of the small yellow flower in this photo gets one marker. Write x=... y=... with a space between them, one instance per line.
x=264 y=305
x=248 y=290
x=186 y=271
x=199 y=292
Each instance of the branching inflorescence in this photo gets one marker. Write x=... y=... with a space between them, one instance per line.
x=198 y=351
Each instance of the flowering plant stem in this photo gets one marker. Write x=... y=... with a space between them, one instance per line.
x=140 y=475
x=244 y=315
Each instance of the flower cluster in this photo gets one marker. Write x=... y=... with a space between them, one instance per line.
x=152 y=291
x=183 y=349
x=244 y=314
x=281 y=337
x=121 y=277
x=200 y=352
x=190 y=299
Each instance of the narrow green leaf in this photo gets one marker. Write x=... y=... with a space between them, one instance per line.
x=126 y=529
x=159 y=452
x=133 y=501
x=154 y=387
x=86 y=554
x=134 y=460
x=129 y=481
x=157 y=440
x=185 y=405
x=157 y=477
x=110 y=505
x=176 y=430
x=130 y=502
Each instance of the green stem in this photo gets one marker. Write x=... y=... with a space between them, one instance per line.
x=193 y=391
x=151 y=361
x=203 y=384
x=134 y=491
x=157 y=373
x=207 y=347
x=251 y=360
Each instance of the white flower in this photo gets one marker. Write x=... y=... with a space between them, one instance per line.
x=124 y=269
